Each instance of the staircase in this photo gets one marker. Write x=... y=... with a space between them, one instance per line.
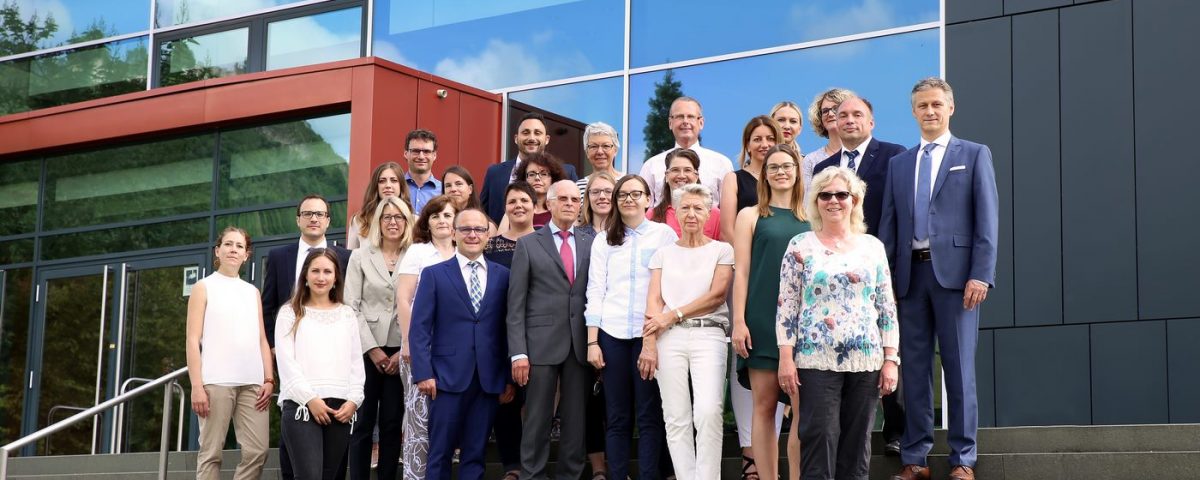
x=1024 y=453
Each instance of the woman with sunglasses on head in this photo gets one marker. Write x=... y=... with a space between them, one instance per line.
x=618 y=279
x=319 y=350
x=387 y=181
x=822 y=115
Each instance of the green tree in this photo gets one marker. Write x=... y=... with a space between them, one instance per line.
x=18 y=35
x=657 y=131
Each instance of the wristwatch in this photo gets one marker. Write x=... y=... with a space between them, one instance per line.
x=894 y=358
x=679 y=315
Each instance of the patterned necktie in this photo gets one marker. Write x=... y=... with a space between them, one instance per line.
x=851 y=154
x=568 y=259
x=476 y=289
x=921 y=207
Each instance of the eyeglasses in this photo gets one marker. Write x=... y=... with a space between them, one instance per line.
x=828 y=111
x=600 y=192
x=417 y=152
x=681 y=170
x=310 y=214
x=634 y=195
x=536 y=175
x=688 y=117
x=397 y=218
x=827 y=196
x=567 y=199
x=782 y=167
x=608 y=147
x=472 y=231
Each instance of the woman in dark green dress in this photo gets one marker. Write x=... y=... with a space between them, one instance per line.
x=761 y=237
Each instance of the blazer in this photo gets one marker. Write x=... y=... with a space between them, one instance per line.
x=543 y=308
x=450 y=342
x=873 y=170
x=495 y=181
x=371 y=292
x=963 y=216
x=279 y=280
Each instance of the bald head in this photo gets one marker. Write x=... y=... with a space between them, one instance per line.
x=563 y=200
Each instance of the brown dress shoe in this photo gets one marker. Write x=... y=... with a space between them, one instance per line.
x=962 y=472
x=912 y=472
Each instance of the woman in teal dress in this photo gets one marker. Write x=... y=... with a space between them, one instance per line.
x=761 y=235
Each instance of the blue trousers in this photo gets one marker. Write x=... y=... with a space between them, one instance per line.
x=628 y=397
x=460 y=420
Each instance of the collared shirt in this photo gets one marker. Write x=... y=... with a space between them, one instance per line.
x=466 y=271
x=862 y=152
x=713 y=167
x=512 y=176
x=937 y=154
x=420 y=194
x=558 y=244
x=619 y=277
x=302 y=253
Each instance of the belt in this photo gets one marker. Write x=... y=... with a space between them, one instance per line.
x=921 y=256
x=700 y=322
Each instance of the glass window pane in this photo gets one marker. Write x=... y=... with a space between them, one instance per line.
x=53 y=23
x=730 y=96
x=126 y=239
x=587 y=102
x=179 y=12
x=73 y=76
x=277 y=221
x=662 y=32
x=204 y=56
x=501 y=44
x=325 y=37
x=167 y=177
x=16 y=251
x=284 y=162
x=18 y=196
x=15 y=289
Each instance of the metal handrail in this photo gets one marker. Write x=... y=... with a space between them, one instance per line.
x=118 y=435
x=165 y=380
x=56 y=409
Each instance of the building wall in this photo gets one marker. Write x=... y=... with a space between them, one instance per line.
x=1085 y=106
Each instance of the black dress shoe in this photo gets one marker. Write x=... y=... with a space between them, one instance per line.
x=892 y=448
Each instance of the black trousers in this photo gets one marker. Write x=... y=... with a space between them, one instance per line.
x=315 y=451
x=837 y=411
x=383 y=404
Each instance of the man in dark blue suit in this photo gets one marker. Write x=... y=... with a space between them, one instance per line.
x=531 y=137
x=940 y=225
x=312 y=217
x=460 y=348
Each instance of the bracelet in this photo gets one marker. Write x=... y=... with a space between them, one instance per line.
x=269 y=380
x=596 y=343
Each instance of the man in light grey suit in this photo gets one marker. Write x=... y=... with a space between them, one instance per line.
x=547 y=335
x=939 y=226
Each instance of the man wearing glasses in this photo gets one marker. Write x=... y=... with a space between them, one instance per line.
x=420 y=151
x=282 y=272
x=531 y=137
x=686 y=122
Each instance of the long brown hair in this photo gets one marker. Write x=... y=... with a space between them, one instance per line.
x=302 y=293
x=764 y=185
x=473 y=198
x=616 y=224
x=759 y=121
x=221 y=238
x=421 y=233
x=660 y=210
x=371 y=196
x=587 y=215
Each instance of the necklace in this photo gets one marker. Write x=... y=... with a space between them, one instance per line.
x=838 y=243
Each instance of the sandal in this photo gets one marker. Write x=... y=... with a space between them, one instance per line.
x=747 y=464
x=600 y=475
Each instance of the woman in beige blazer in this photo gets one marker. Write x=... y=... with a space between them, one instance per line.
x=371 y=292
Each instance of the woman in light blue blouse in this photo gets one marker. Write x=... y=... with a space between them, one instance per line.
x=836 y=327
x=616 y=309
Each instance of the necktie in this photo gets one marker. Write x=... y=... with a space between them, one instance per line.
x=851 y=154
x=476 y=289
x=567 y=258
x=921 y=207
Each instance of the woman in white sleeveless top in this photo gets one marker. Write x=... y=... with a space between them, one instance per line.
x=229 y=361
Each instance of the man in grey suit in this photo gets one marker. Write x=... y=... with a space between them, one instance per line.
x=546 y=334
x=939 y=226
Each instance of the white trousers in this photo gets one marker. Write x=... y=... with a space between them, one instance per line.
x=699 y=351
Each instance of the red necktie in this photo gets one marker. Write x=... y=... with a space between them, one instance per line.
x=567 y=258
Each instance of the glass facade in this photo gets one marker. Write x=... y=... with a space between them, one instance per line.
x=320 y=38
x=182 y=12
x=41 y=24
x=74 y=75
x=212 y=55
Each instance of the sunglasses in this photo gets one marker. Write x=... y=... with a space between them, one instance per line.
x=827 y=196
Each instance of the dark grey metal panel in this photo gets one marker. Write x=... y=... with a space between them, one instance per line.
x=985 y=378
x=1129 y=373
x=1183 y=361
x=1037 y=188
x=967 y=10
x=979 y=66
x=1165 y=84
x=1099 y=242
x=1042 y=376
x=1018 y=6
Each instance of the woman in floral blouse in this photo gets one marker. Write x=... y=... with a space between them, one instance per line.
x=836 y=328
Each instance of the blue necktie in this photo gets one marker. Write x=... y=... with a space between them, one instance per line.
x=851 y=154
x=476 y=289
x=921 y=214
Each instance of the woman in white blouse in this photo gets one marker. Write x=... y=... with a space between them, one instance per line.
x=320 y=369
x=688 y=316
x=836 y=328
x=615 y=315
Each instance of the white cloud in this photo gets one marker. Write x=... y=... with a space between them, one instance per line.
x=303 y=41
x=389 y=51
x=44 y=8
x=503 y=64
x=847 y=18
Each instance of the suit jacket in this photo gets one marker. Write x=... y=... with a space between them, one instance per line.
x=449 y=341
x=872 y=169
x=280 y=280
x=963 y=216
x=371 y=292
x=495 y=181
x=543 y=308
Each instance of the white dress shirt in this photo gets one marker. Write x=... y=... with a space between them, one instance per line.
x=862 y=152
x=466 y=272
x=302 y=253
x=618 y=278
x=937 y=154
x=713 y=167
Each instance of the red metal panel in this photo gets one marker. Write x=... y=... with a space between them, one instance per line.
x=437 y=111
x=479 y=134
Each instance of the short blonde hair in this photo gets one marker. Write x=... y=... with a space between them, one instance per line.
x=858 y=191
x=375 y=233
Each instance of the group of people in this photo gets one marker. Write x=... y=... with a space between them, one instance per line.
x=592 y=308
